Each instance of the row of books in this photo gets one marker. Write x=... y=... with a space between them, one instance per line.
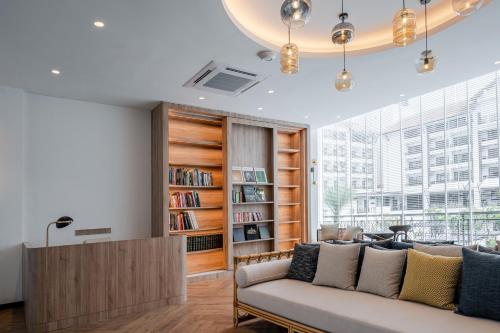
x=203 y=243
x=247 y=217
x=185 y=199
x=251 y=232
x=183 y=221
x=189 y=177
x=249 y=194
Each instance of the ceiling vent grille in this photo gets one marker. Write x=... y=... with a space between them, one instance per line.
x=225 y=80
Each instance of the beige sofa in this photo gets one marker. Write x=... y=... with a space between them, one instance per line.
x=262 y=290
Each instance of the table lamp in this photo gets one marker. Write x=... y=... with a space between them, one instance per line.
x=61 y=222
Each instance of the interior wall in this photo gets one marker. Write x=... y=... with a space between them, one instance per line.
x=65 y=157
x=11 y=193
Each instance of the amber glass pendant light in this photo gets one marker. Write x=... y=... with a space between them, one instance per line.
x=404 y=26
x=289 y=57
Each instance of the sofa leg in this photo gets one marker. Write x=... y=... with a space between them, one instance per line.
x=290 y=329
x=235 y=317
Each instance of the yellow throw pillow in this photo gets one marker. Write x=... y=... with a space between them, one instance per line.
x=431 y=280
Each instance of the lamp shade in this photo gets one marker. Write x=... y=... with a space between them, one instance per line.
x=295 y=13
x=63 y=222
x=289 y=58
x=466 y=7
x=404 y=27
x=426 y=63
x=343 y=32
x=344 y=81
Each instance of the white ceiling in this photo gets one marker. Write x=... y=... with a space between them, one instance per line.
x=149 y=48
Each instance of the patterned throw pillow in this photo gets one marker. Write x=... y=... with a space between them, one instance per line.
x=431 y=280
x=304 y=262
x=480 y=293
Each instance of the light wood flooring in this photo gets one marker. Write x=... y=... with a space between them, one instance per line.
x=209 y=309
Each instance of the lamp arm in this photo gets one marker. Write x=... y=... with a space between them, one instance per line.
x=47 y=233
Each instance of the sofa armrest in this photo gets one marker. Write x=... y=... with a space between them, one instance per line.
x=248 y=275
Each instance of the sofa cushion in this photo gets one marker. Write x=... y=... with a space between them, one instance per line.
x=351 y=232
x=487 y=250
x=431 y=280
x=480 y=293
x=337 y=266
x=400 y=245
x=337 y=310
x=382 y=271
x=304 y=262
x=248 y=275
x=439 y=250
x=329 y=231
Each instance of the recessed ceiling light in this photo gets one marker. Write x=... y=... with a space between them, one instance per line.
x=497 y=62
x=306 y=116
x=55 y=71
x=260 y=108
x=99 y=24
x=270 y=91
x=201 y=98
x=402 y=95
x=338 y=117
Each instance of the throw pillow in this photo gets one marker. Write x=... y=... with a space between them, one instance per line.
x=350 y=233
x=304 y=262
x=487 y=250
x=439 y=250
x=337 y=266
x=363 y=245
x=431 y=280
x=329 y=231
x=381 y=272
x=401 y=245
x=480 y=293
x=498 y=246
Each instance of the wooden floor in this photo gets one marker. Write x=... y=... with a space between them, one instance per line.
x=209 y=309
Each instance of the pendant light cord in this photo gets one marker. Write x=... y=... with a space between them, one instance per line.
x=404 y=5
x=342 y=7
x=288 y=34
x=426 y=48
x=344 y=57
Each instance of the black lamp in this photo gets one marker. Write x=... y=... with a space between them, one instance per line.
x=61 y=222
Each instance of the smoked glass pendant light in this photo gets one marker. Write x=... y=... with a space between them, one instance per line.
x=427 y=62
x=289 y=57
x=466 y=7
x=343 y=32
x=344 y=81
x=296 y=13
x=404 y=26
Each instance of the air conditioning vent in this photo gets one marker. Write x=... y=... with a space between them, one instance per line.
x=225 y=80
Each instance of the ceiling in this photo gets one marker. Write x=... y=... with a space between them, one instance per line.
x=149 y=48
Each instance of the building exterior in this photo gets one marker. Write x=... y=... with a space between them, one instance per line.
x=430 y=161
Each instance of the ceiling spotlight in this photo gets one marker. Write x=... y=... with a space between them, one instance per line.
x=497 y=62
x=99 y=24
x=270 y=91
x=266 y=55
x=201 y=98
x=338 y=116
x=295 y=13
x=306 y=116
x=402 y=95
x=260 y=108
x=55 y=71
x=466 y=7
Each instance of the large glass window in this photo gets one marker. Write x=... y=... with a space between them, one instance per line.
x=431 y=161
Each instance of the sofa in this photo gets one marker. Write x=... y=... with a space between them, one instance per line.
x=262 y=289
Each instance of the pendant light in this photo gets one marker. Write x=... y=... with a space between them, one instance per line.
x=289 y=57
x=296 y=13
x=343 y=32
x=404 y=26
x=344 y=81
x=466 y=7
x=427 y=62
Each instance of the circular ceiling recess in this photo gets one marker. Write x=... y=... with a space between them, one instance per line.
x=260 y=20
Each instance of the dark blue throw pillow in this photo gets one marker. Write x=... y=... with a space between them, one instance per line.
x=401 y=245
x=304 y=262
x=480 y=291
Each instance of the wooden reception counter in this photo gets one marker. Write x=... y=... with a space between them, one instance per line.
x=72 y=285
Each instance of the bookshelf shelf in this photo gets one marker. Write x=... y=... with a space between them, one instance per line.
x=283 y=240
x=288 y=150
x=195 y=187
x=289 y=186
x=253 y=241
x=195 y=208
x=195 y=119
x=290 y=222
x=241 y=224
x=254 y=184
x=289 y=203
x=254 y=203
x=200 y=231
x=204 y=251
x=288 y=168
x=195 y=165
x=198 y=143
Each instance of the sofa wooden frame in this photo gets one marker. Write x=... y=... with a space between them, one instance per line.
x=243 y=312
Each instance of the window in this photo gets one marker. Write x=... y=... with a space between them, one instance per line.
x=421 y=162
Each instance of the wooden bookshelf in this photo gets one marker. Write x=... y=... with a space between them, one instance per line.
x=216 y=141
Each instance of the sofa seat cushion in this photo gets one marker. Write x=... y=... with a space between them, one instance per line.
x=343 y=311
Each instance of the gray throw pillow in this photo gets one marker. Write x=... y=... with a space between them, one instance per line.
x=382 y=271
x=337 y=266
x=350 y=233
x=439 y=250
x=329 y=231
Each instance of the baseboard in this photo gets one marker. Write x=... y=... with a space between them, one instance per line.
x=12 y=305
x=208 y=276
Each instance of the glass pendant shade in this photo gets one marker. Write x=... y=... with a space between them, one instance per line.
x=426 y=63
x=344 y=81
x=343 y=32
x=404 y=27
x=466 y=7
x=296 y=13
x=289 y=58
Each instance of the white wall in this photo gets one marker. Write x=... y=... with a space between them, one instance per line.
x=11 y=193
x=89 y=161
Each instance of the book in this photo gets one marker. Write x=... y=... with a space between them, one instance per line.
x=238 y=235
x=264 y=232
x=249 y=193
x=184 y=199
x=248 y=174
x=189 y=177
x=183 y=221
x=251 y=232
x=237 y=175
x=260 y=175
x=260 y=195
